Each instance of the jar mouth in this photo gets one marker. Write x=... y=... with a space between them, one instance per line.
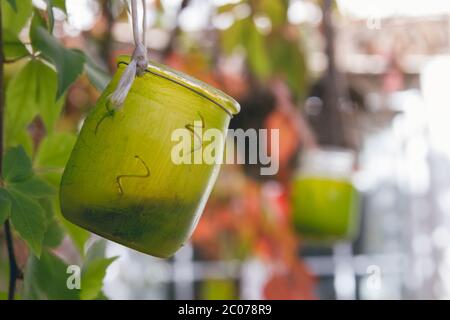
x=217 y=97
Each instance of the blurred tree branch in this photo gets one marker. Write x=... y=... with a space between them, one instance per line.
x=174 y=33
x=107 y=39
x=333 y=91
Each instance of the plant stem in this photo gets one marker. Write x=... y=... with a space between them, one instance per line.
x=14 y=272
x=2 y=91
x=15 y=59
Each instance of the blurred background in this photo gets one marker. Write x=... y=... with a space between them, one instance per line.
x=360 y=208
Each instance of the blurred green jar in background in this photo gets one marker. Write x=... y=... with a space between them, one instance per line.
x=120 y=181
x=325 y=202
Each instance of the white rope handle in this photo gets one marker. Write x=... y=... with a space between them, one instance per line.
x=139 y=60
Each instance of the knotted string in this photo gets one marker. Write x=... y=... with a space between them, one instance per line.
x=139 y=61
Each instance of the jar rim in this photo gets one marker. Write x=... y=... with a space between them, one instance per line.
x=216 y=96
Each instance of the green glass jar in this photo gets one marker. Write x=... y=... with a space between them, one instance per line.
x=324 y=200
x=121 y=181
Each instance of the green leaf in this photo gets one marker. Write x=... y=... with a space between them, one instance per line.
x=78 y=235
x=97 y=76
x=13 y=4
x=47 y=205
x=15 y=20
x=226 y=8
x=38 y=20
x=288 y=60
x=33 y=187
x=48 y=108
x=94 y=270
x=24 y=139
x=54 y=234
x=233 y=36
x=5 y=206
x=28 y=219
x=52 y=156
x=54 y=151
x=13 y=47
x=102 y=296
x=244 y=32
x=21 y=108
x=51 y=17
x=92 y=277
x=96 y=250
x=16 y=165
x=69 y=63
x=4 y=296
x=276 y=10
x=60 y=4
x=51 y=4
x=39 y=81
x=257 y=56
x=46 y=277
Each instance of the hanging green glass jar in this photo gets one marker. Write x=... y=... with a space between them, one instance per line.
x=121 y=181
x=324 y=200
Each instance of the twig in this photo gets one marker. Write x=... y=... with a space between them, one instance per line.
x=14 y=271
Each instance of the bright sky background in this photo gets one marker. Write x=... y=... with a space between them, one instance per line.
x=384 y=8
x=82 y=12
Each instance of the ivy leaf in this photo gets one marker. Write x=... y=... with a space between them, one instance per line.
x=29 y=220
x=13 y=47
x=33 y=187
x=46 y=277
x=5 y=206
x=14 y=20
x=69 y=63
x=92 y=277
x=16 y=165
x=13 y=4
